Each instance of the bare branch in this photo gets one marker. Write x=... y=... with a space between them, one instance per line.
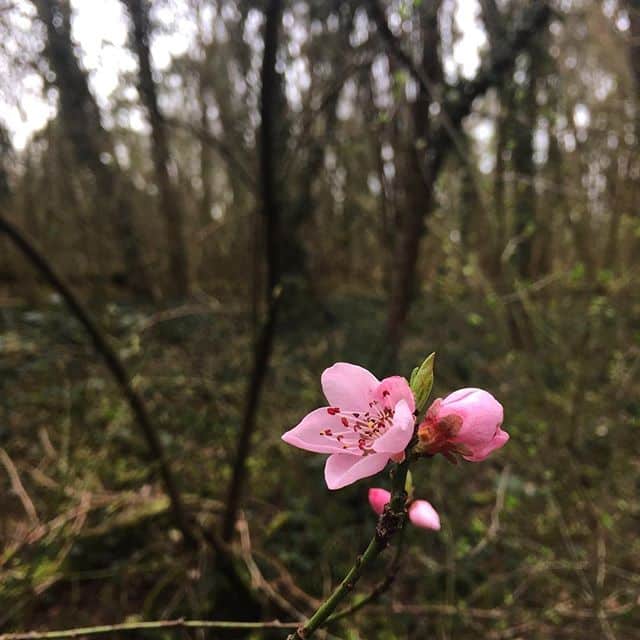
x=155 y=625
x=113 y=363
x=18 y=487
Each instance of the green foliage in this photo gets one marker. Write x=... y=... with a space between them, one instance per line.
x=421 y=382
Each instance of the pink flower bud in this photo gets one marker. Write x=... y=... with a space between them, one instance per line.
x=378 y=499
x=421 y=513
x=467 y=422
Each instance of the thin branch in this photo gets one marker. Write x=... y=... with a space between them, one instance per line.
x=332 y=93
x=430 y=88
x=391 y=521
x=271 y=215
x=18 y=487
x=220 y=147
x=146 y=626
x=455 y=104
x=113 y=363
x=382 y=587
x=529 y=22
x=287 y=581
x=258 y=581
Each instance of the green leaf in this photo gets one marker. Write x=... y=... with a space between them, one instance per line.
x=422 y=381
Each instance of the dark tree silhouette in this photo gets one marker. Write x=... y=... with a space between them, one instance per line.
x=92 y=146
x=140 y=32
x=271 y=216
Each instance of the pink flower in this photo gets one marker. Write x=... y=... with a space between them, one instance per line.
x=367 y=423
x=467 y=422
x=421 y=513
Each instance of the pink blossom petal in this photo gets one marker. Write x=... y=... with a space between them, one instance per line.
x=392 y=390
x=460 y=394
x=343 y=469
x=396 y=438
x=480 y=453
x=378 y=499
x=348 y=386
x=481 y=416
x=422 y=514
x=318 y=432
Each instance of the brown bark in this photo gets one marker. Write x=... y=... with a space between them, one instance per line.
x=206 y=156
x=6 y=152
x=524 y=209
x=616 y=196
x=499 y=187
x=493 y=22
x=634 y=59
x=80 y=118
x=633 y=7
x=173 y=214
x=271 y=216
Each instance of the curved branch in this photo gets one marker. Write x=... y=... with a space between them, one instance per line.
x=113 y=363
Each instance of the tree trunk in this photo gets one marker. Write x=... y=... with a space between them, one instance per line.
x=80 y=118
x=499 y=186
x=206 y=155
x=174 y=217
x=422 y=172
x=633 y=7
x=6 y=152
x=524 y=209
x=634 y=58
x=271 y=214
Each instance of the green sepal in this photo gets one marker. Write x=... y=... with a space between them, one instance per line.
x=408 y=485
x=421 y=382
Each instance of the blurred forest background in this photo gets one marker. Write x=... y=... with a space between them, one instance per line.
x=233 y=195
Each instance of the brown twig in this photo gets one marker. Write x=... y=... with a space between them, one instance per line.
x=18 y=487
x=258 y=581
x=287 y=580
x=145 y=626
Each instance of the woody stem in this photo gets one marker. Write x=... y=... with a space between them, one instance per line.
x=391 y=521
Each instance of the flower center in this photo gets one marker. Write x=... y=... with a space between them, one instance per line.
x=362 y=428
